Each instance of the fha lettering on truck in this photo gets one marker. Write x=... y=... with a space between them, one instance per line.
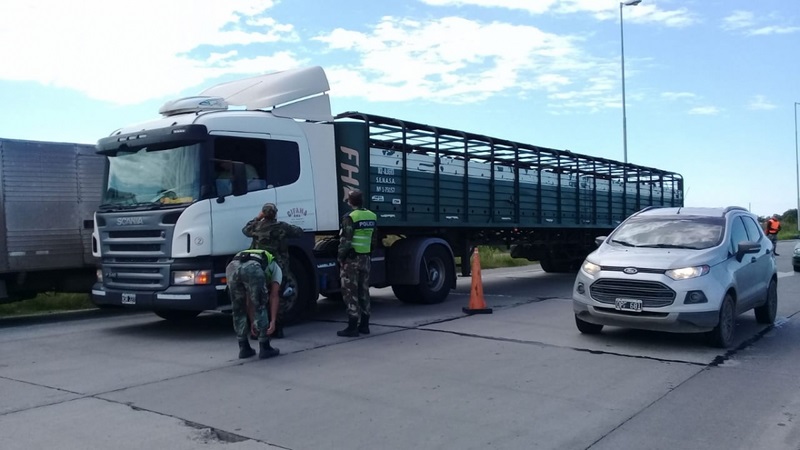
x=179 y=189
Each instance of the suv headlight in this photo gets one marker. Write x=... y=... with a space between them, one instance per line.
x=797 y=251
x=590 y=268
x=185 y=277
x=686 y=273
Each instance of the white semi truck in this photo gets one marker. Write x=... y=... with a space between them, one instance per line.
x=167 y=225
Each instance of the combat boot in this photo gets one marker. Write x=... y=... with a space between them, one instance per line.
x=245 y=351
x=267 y=351
x=351 y=330
x=363 y=327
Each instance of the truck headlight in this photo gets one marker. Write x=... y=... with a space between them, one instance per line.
x=99 y=275
x=797 y=251
x=590 y=268
x=686 y=273
x=188 y=277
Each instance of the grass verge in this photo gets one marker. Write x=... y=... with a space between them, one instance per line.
x=48 y=302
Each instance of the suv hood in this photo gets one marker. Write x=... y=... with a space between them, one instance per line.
x=653 y=258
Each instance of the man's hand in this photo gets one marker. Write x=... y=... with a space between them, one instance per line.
x=260 y=215
x=254 y=329
x=271 y=328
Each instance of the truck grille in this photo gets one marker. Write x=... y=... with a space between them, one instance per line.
x=136 y=256
x=652 y=293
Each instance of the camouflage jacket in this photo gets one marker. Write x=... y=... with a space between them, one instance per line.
x=271 y=236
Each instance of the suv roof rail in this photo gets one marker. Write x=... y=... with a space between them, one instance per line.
x=733 y=208
x=648 y=208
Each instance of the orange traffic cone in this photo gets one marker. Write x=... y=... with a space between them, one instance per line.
x=477 y=305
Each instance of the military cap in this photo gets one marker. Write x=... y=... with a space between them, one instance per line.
x=268 y=208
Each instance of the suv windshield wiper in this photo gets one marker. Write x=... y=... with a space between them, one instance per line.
x=667 y=246
x=625 y=243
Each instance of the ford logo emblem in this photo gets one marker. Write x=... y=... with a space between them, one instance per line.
x=630 y=270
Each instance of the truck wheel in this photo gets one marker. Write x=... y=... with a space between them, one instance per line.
x=436 y=268
x=303 y=301
x=176 y=315
x=766 y=313
x=552 y=265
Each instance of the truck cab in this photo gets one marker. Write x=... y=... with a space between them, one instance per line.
x=179 y=189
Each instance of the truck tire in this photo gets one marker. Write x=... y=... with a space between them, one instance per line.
x=327 y=247
x=176 y=315
x=436 y=268
x=552 y=265
x=304 y=302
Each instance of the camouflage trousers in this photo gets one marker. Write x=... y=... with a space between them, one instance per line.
x=355 y=285
x=246 y=280
x=286 y=303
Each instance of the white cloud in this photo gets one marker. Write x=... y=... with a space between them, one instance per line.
x=677 y=95
x=451 y=59
x=704 y=111
x=747 y=23
x=601 y=10
x=128 y=52
x=738 y=20
x=760 y=103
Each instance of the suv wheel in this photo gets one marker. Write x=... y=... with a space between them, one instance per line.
x=586 y=327
x=722 y=335
x=766 y=313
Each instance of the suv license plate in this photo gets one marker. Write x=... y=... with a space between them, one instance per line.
x=128 y=298
x=628 y=304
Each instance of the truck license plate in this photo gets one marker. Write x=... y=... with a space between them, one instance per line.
x=628 y=304
x=128 y=298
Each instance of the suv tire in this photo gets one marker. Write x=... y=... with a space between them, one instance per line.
x=722 y=335
x=766 y=313
x=587 y=327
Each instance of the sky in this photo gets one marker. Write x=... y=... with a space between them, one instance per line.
x=712 y=87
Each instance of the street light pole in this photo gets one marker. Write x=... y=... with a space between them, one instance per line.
x=797 y=163
x=622 y=54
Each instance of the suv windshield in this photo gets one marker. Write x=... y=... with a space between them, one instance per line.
x=670 y=232
x=148 y=177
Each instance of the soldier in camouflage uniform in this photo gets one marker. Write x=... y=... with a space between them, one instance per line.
x=357 y=238
x=253 y=280
x=270 y=234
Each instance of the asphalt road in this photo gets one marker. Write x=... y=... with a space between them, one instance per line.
x=428 y=377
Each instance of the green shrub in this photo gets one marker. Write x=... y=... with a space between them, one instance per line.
x=46 y=303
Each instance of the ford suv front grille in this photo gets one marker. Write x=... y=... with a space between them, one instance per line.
x=652 y=293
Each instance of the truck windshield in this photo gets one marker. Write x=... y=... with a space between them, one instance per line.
x=151 y=178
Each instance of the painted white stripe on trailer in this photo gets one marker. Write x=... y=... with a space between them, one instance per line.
x=16 y=253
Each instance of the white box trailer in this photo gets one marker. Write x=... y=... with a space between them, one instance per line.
x=48 y=194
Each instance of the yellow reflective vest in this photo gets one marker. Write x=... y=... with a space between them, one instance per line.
x=364 y=224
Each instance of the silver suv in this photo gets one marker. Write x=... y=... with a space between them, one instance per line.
x=682 y=270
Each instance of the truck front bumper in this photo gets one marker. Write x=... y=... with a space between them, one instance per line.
x=187 y=298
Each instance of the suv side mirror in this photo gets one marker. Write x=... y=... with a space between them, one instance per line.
x=746 y=247
x=599 y=240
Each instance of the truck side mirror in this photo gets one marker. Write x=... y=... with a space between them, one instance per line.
x=598 y=241
x=239 y=179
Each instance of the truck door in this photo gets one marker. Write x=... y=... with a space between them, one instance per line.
x=230 y=213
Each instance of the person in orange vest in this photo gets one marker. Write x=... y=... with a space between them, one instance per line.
x=773 y=227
